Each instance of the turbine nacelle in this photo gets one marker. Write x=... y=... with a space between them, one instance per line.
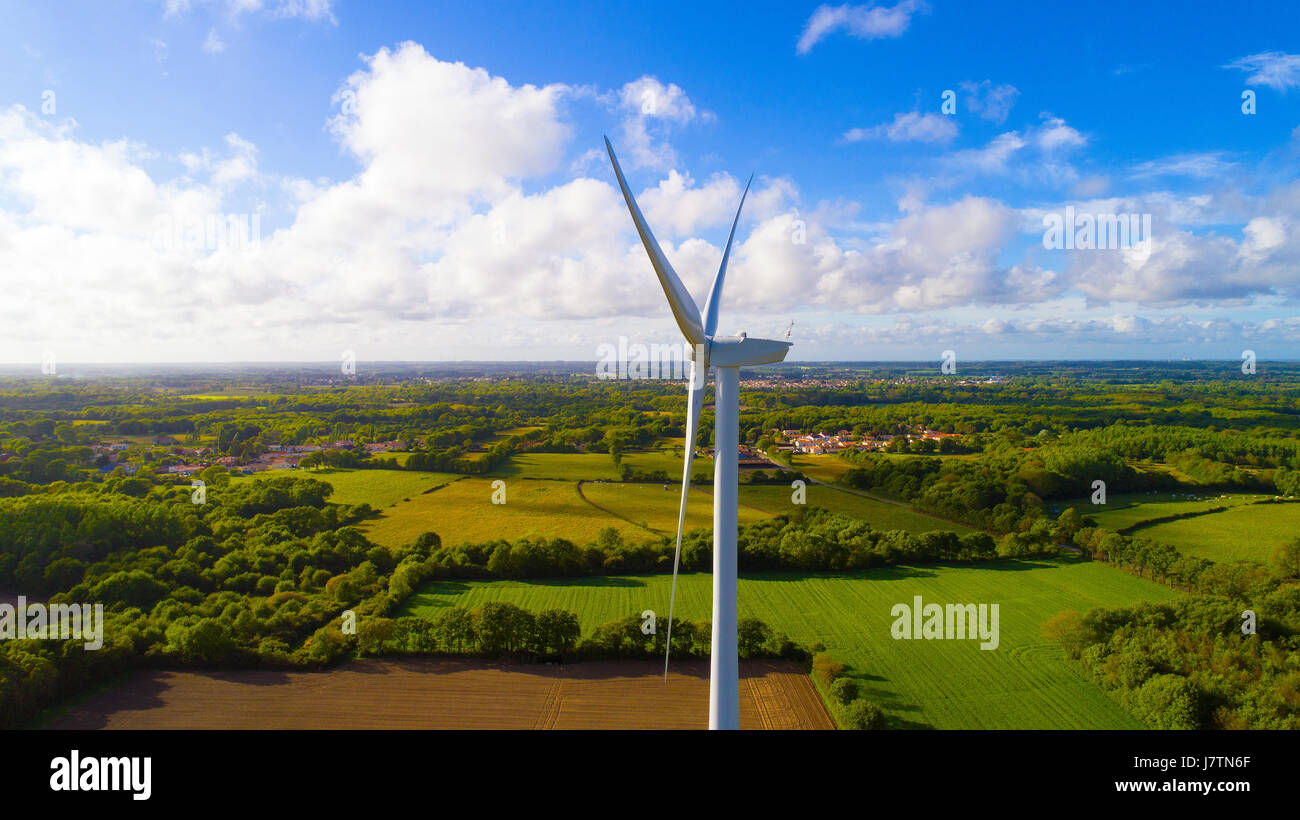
x=745 y=351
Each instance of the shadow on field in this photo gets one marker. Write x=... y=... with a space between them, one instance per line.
x=249 y=677
x=140 y=692
x=594 y=581
x=891 y=703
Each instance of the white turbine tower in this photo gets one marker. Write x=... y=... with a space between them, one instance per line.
x=726 y=355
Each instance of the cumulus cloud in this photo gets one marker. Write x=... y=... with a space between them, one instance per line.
x=865 y=22
x=454 y=232
x=651 y=107
x=1183 y=266
x=682 y=208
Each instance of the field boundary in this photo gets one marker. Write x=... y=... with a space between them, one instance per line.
x=608 y=511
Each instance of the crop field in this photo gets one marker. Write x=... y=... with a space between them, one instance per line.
x=946 y=684
x=378 y=488
x=658 y=508
x=1244 y=533
x=450 y=694
x=775 y=499
x=463 y=512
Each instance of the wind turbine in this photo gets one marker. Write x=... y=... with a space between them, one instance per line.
x=726 y=355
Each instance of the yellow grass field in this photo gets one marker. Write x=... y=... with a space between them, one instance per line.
x=657 y=508
x=463 y=512
x=776 y=499
x=822 y=468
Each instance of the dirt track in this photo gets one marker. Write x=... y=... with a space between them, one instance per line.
x=451 y=694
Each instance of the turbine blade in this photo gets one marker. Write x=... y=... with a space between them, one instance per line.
x=679 y=298
x=694 y=404
x=715 y=293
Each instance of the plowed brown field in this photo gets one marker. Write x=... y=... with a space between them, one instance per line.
x=452 y=694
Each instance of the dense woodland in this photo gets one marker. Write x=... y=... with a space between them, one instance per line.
x=262 y=572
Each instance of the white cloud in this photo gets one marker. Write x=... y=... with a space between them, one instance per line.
x=989 y=101
x=681 y=208
x=908 y=127
x=1198 y=165
x=306 y=9
x=991 y=159
x=1055 y=135
x=648 y=104
x=453 y=231
x=863 y=22
x=1275 y=69
x=213 y=44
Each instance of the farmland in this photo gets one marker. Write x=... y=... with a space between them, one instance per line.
x=463 y=512
x=450 y=694
x=1127 y=509
x=570 y=495
x=776 y=499
x=378 y=488
x=1244 y=533
x=560 y=466
x=255 y=576
x=1024 y=683
x=658 y=507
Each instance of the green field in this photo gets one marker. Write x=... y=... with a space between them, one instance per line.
x=821 y=468
x=775 y=499
x=463 y=512
x=658 y=508
x=565 y=466
x=378 y=488
x=1024 y=683
x=1126 y=509
x=1244 y=533
x=670 y=461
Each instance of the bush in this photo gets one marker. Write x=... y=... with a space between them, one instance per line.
x=864 y=714
x=844 y=690
x=825 y=668
x=1168 y=702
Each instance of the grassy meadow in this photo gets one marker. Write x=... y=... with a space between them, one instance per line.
x=378 y=488
x=657 y=508
x=1126 y=509
x=1024 y=683
x=560 y=466
x=776 y=499
x=1243 y=533
x=463 y=512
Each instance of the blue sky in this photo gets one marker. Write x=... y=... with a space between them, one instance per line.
x=428 y=184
